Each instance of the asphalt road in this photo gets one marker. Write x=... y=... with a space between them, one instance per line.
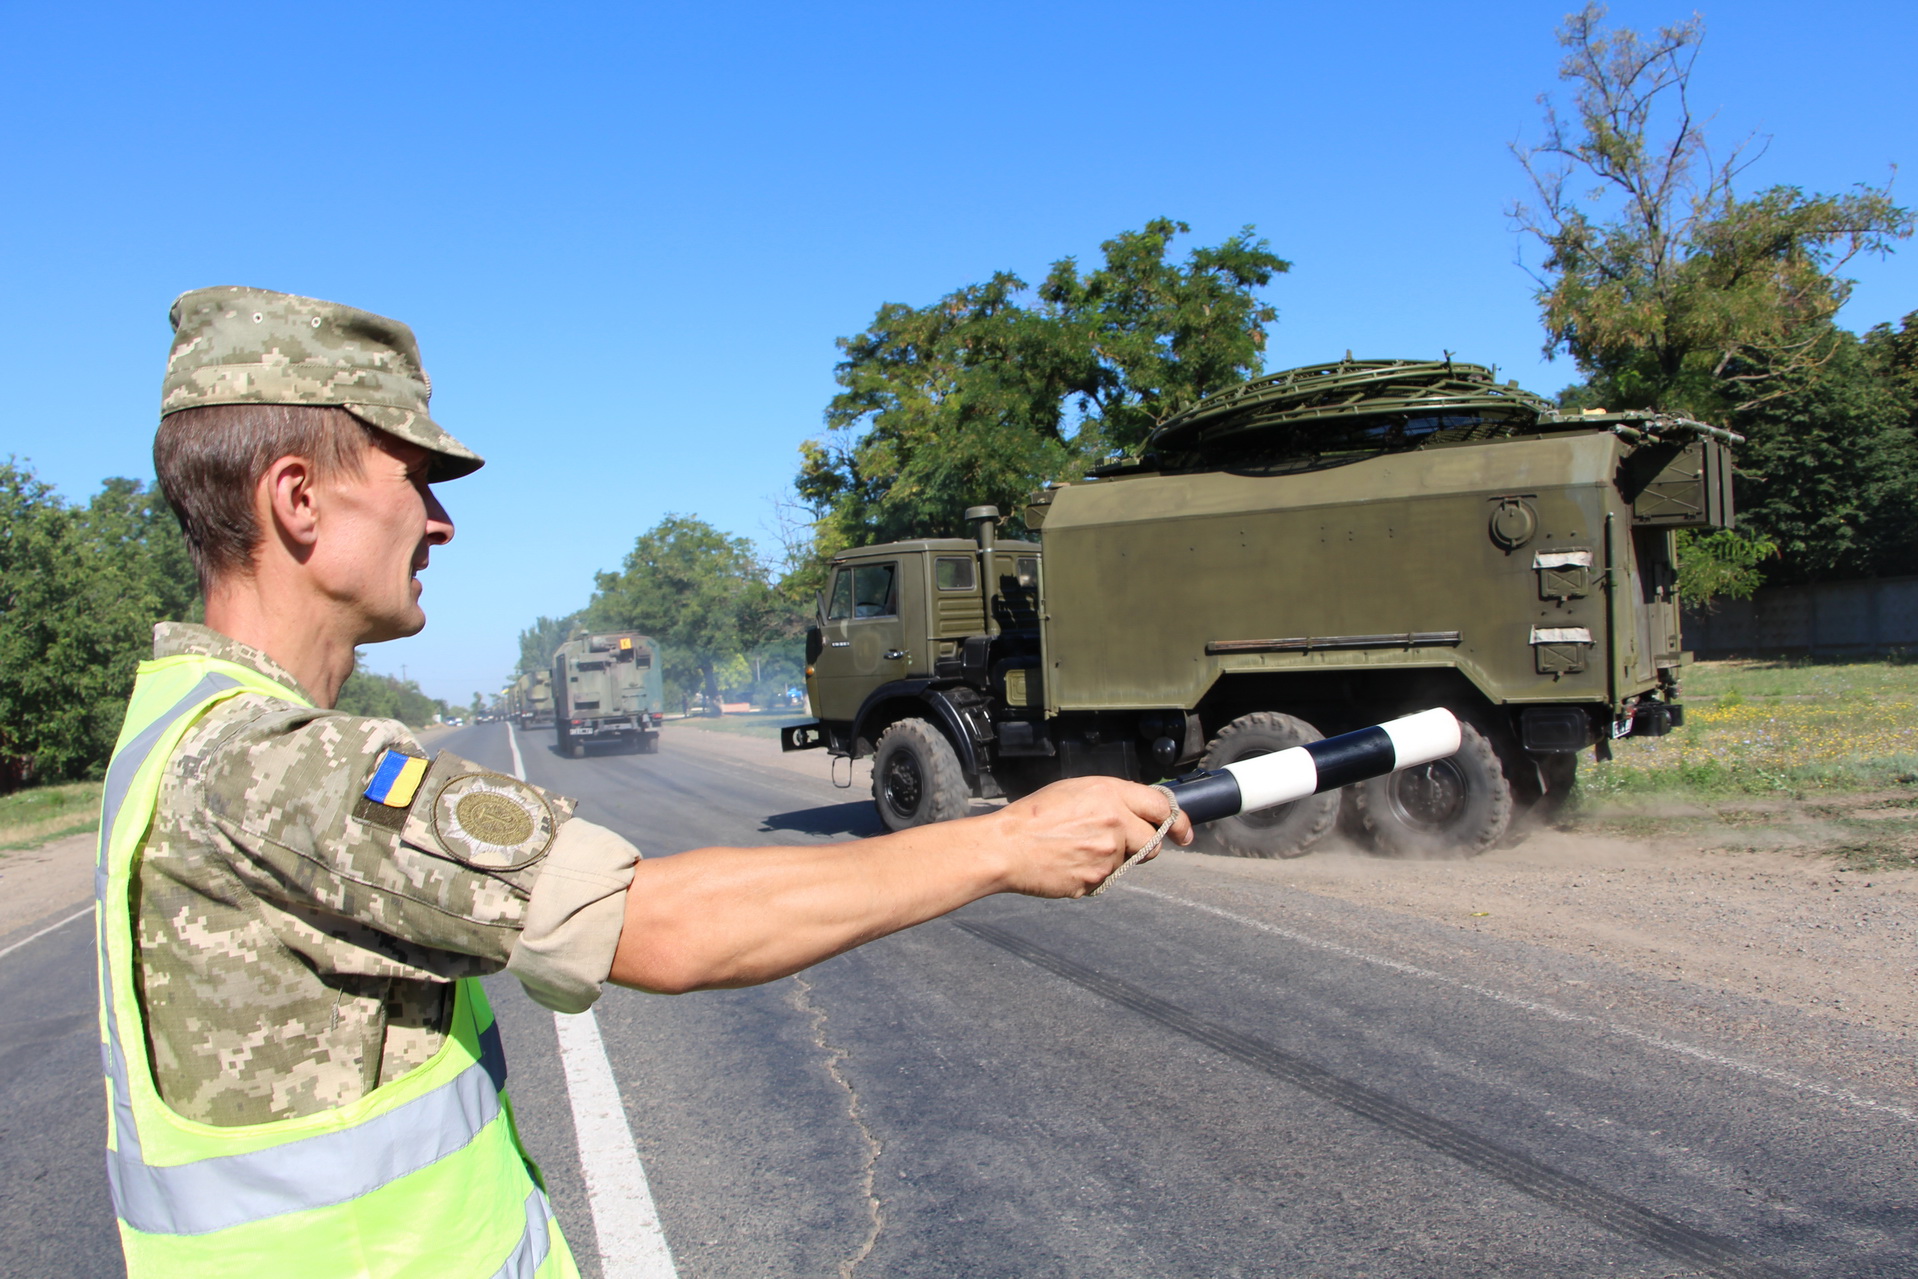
x=1199 y=1074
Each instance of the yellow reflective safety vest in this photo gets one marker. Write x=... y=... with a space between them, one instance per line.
x=422 y=1177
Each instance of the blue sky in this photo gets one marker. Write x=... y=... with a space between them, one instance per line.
x=627 y=235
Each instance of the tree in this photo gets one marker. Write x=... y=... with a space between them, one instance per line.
x=1163 y=336
x=695 y=589
x=1668 y=289
x=1721 y=563
x=383 y=697
x=1829 y=469
x=993 y=389
x=80 y=590
x=540 y=641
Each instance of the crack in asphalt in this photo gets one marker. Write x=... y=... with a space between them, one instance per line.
x=802 y=1001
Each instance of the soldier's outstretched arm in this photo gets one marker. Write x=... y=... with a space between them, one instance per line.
x=721 y=917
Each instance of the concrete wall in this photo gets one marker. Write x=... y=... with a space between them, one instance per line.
x=1823 y=617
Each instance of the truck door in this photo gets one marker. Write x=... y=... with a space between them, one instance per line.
x=864 y=638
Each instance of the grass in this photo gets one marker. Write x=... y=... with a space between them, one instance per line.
x=1820 y=756
x=30 y=818
x=1777 y=728
x=749 y=723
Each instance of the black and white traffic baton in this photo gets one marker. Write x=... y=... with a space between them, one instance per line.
x=1266 y=781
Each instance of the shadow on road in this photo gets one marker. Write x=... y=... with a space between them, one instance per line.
x=857 y=819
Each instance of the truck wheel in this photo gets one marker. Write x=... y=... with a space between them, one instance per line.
x=1289 y=830
x=573 y=749
x=1454 y=806
x=649 y=743
x=916 y=778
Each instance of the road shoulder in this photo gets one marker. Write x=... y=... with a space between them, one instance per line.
x=39 y=886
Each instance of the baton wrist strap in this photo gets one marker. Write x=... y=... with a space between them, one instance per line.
x=1150 y=847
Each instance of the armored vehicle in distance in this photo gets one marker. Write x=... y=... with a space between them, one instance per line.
x=1305 y=554
x=530 y=703
x=607 y=689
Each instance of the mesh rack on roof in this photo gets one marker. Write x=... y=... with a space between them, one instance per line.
x=1353 y=405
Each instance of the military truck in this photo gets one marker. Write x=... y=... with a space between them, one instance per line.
x=530 y=704
x=1305 y=554
x=607 y=689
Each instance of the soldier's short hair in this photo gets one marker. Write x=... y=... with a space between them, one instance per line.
x=209 y=461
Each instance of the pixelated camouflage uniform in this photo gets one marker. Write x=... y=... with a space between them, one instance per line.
x=297 y=943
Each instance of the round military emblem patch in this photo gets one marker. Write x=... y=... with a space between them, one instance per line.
x=492 y=822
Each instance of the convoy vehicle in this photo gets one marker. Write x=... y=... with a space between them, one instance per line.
x=607 y=688
x=1305 y=554
x=530 y=702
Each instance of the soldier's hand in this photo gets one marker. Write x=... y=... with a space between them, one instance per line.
x=1064 y=840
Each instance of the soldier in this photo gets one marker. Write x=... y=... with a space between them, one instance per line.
x=303 y=1075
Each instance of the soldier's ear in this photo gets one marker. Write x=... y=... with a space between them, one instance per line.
x=288 y=498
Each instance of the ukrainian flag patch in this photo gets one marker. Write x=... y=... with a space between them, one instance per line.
x=396 y=779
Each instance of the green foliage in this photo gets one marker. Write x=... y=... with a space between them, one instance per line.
x=1829 y=470
x=682 y=681
x=538 y=642
x=1669 y=289
x=383 y=697
x=1162 y=336
x=702 y=594
x=80 y=590
x=993 y=389
x=1722 y=563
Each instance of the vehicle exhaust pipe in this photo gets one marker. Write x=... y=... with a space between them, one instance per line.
x=984 y=521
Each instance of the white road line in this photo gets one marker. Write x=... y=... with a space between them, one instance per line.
x=44 y=931
x=632 y=1244
x=1794 y=1082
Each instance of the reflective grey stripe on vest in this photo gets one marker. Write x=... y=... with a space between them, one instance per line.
x=124 y=767
x=311 y=1172
x=530 y=1253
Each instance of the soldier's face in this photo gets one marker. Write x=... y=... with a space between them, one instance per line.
x=376 y=530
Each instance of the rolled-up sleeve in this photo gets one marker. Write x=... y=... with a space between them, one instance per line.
x=572 y=924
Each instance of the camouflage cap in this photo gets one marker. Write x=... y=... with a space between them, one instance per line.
x=235 y=345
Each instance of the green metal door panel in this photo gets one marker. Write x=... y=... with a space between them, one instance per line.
x=958 y=607
x=864 y=637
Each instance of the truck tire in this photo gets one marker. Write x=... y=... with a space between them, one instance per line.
x=916 y=778
x=1289 y=830
x=1448 y=808
x=649 y=743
